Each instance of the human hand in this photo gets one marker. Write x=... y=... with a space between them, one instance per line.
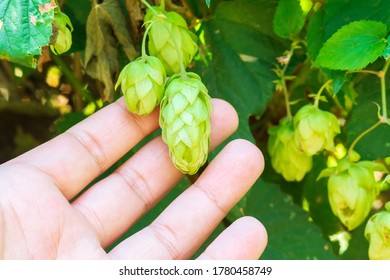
x=37 y=221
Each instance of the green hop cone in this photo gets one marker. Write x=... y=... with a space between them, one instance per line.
x=315 y=129
x=286 y=158
x=142 y=83
x=351 y=190
x=185 y=121
x=168 y=29
x=64 y=35
x=377 y=233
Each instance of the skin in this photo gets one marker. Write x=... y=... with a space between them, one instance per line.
x=38 y=221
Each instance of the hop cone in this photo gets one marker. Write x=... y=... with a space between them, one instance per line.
x=286 y=158
x=352 y=190
x=64 y=36
x=315 y=129
x=377 y=233
x=142 y=84
x=170 y=29
x=185 y=121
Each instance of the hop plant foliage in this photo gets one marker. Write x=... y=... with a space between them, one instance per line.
x=185 y=121
x=286 y=158
x=142 y=83
x=377 y=232
x=315 y=129
x=169 y=37
x=64 y=37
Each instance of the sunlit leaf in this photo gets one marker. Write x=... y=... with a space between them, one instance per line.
x=25 y=27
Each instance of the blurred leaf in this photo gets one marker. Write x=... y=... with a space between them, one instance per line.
x=358 y=246
x=316 y=193
x=25 y=27
x=242 y=56
x=315 y=34
x=106 y=27
x=290 y=234
x=353 y=46
x=342 y=12
x=289 y=18
x=78 y=13
x=208 y=2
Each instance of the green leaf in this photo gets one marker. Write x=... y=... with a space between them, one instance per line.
x=106 y=27
x=25 y=27
x=78 y=12
x=289 y=18
x=353 y=46
x=242 y=53
x=315 y=34
x=358 y=246
x=208 y=2
x=342 y=12
x=337 y=13
x=290 y=234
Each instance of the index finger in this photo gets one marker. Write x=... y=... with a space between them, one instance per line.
x=82 y=153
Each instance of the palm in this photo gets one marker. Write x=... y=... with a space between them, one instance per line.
x=37 y=221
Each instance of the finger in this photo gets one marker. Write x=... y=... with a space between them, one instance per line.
x=190 y=219
x=112 y=205
x=75 y=158
x=245 y=239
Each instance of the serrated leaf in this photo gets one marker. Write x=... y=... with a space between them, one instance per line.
x=289 y=18
x=106 y=27
x=25 y=27
x=353 y=46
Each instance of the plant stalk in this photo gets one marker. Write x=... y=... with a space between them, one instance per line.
x=383 y=89
x=144 y=55
x=364 y=133
x=318 y=95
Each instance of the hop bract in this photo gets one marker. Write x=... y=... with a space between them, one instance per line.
x=377 y=233
x=169 y=29
x=142 y=83
x=351 y=190
x=286 y=158
x=315 y=129
x=185 y=121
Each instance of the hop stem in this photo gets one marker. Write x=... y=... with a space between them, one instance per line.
x=382 y=77
x=317 y=100
x=162 y=5
x=149 y=6
x=144 y=55
x=282 y=74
